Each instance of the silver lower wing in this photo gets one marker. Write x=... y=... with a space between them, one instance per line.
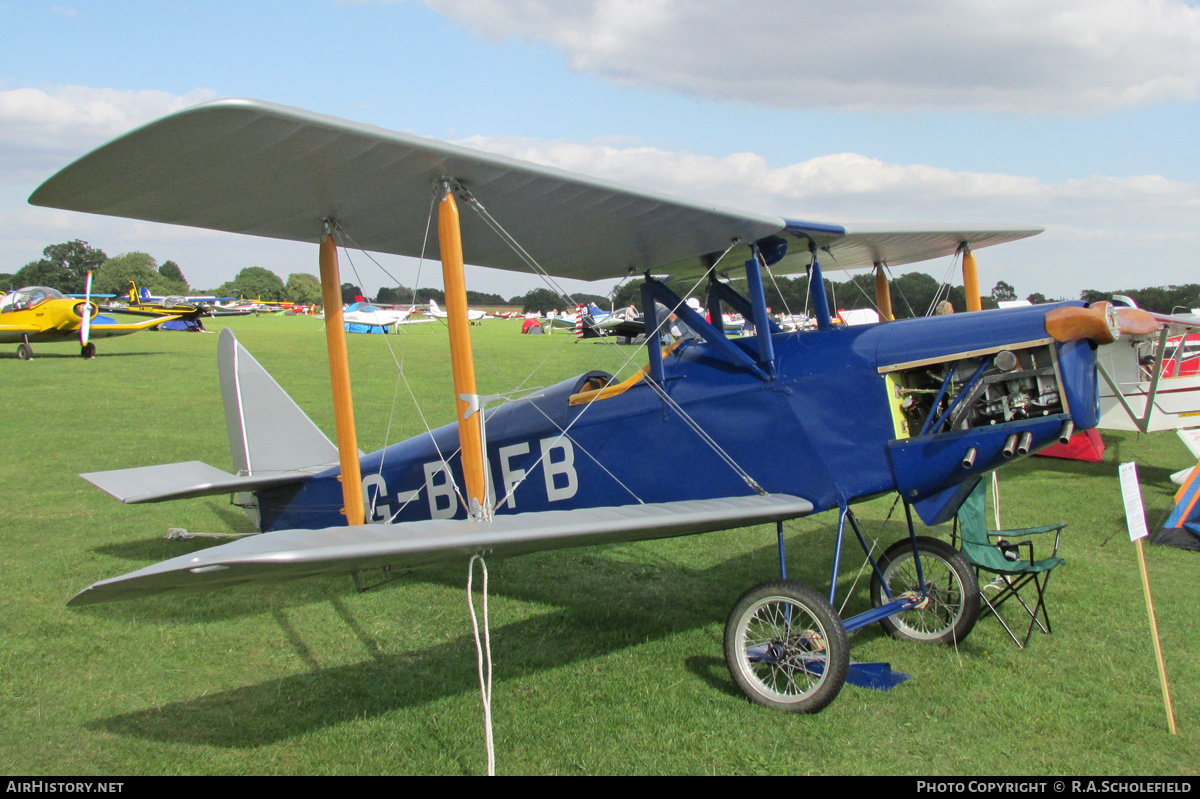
x=292 y=554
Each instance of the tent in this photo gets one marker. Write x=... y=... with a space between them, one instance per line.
x=1083 y=446
x=1182 y=528
x=355 y=327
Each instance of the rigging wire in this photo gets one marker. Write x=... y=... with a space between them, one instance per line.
x=867 y=558
x=892 y=282
x=524 y=255
x=944 y=286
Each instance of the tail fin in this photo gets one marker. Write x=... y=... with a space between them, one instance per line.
x=273 y=444
x=267 y=430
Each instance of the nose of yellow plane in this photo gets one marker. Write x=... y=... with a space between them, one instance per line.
x=80 y=308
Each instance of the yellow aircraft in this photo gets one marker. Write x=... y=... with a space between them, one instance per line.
x=40 y=313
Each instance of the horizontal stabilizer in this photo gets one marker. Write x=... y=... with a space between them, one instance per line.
x=183 y=481
x=291 y=554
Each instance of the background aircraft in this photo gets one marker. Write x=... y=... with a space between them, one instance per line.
x=1151 y=380
x=437 y=313
x=712 y=433
x=142 y=303
x=39 y=314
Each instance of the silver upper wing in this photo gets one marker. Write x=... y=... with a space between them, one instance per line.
x=247 y=166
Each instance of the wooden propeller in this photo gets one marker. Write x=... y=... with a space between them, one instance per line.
x=1102 y=322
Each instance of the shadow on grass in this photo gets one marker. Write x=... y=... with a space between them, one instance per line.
x=606 y=605
x=604 y=601
x=39 y=354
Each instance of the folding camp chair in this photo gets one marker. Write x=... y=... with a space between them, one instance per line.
x=1003 y=559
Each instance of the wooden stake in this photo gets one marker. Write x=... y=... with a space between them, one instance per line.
x=1158 y=655
x=1135 y=521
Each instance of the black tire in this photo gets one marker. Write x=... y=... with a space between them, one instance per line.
x=25 y=352
x=88 y=351
x=786 y=647
x=953 y=592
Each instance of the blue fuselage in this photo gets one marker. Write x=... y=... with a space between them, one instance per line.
x=824 y=429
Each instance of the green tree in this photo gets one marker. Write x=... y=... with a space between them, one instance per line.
x=303 y=288
x=594 y=299
x=426 y=294
x=483 y=298
x=62 y=266
x=394 y=295
x=117 y=273
x=140 y=268
x=171 y=271
x=629 y=294
x=1003 y=292
x=540 y=301
x=254 y=283
x=350 y=293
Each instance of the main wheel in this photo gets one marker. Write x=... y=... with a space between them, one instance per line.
x=951 y=604
x=25 y=352
x=87 y=350
x=786 y=647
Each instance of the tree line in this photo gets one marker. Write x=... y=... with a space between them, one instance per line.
x=65 y=266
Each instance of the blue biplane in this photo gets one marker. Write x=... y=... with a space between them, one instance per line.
x=714 y=433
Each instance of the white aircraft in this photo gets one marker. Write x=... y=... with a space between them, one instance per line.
x=1151 y=381
x=472 y=314
x=363 y=313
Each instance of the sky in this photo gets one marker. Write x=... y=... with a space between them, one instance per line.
x=1079 y=116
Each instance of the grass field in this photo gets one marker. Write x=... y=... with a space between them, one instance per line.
x=607 y=660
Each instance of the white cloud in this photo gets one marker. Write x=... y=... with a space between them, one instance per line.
x=1022 y=56
x=41 y=130
x=1102 y=232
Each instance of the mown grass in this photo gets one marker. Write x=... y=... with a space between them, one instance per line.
x=608 y=660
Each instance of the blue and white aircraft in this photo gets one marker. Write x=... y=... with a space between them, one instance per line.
x=713 y=433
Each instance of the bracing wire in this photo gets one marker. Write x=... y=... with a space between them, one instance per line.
x=525 y=256
x=867 y=559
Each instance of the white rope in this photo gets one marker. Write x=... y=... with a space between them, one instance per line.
x=180 y=534
x=481 y=653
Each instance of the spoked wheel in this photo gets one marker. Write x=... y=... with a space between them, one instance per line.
x=951 y=604
x=786 y=647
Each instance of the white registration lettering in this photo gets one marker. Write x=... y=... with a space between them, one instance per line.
x=437 y=491
x=511 y=475
x=380 y=511
x=557 y=490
